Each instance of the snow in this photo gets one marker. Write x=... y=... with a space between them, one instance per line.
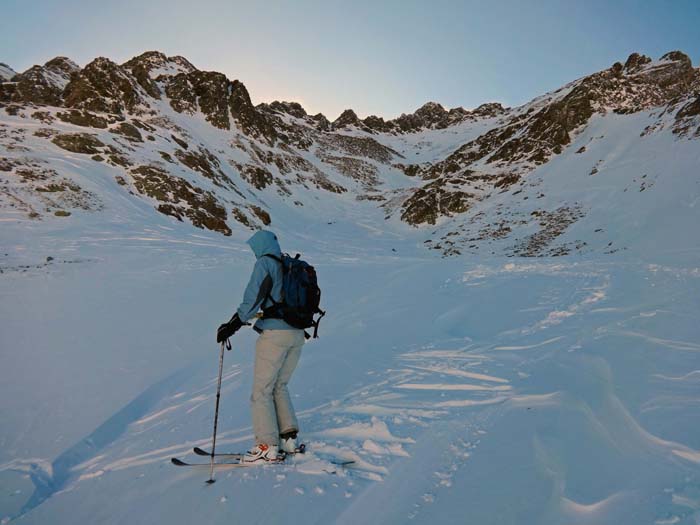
x=568 y=423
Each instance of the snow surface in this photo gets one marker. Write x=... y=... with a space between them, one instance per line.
x=511 y=391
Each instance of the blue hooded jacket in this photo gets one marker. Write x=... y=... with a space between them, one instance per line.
x=266 y=278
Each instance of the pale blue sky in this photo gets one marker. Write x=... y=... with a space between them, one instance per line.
x=377 y=57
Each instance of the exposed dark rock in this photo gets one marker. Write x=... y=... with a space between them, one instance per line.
x=347 y=118
x=43 y=116
x=261 y=214
x=365 y=147
x=158 y=66
x=691 y=109
x=204 y=162
x=83 y=118
x=322 y=123
x=409 y=169
x=166 y=157
x=251 y=121
x=291 y=108
x=104 y=86
x=357 y=169
x=180 y=199
x=204 y=90
x=687 y=118
x=180 y=142
x=129 y=131
x=79 y=143
x=635 y=62
x=488 y=110
x=552 y=225
x=258 y=176
x=434 y=200
x=41 y=84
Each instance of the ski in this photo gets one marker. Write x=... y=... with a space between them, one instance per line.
x=237 y=455
x=232 y=464
x=202 y=452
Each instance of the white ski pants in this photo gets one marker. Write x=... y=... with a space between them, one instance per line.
x=276 y=356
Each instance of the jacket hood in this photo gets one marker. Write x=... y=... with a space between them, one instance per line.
x=264 y=242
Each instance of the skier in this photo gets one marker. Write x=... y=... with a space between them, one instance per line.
x=277 y=353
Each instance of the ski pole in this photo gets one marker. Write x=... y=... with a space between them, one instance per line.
x=216 y=412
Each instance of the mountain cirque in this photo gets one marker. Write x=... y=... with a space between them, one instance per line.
x=192 y=144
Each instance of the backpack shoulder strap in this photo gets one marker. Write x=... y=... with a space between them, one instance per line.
x=269 y=291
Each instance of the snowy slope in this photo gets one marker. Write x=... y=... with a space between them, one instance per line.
x=545 y=392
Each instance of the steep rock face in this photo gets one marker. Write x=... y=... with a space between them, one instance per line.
x=687 y=119
x=201 y=90
x=251 y=121
x=41 y=84
x=104 y=86
x=153 y=66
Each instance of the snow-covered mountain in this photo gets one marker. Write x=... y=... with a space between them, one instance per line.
x=512 y=328
x=192 y=144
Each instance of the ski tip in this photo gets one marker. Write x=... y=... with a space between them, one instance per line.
x=201 y=452
x=178 y=462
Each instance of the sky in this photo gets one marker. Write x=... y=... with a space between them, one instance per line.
x=376 y=57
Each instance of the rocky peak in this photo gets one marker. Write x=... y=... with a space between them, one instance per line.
x=677 y=56
x=62 y=66
x=42 y=84
x=347 y=118
x=489 y=110
x=103 y=86
x=290 y=108
x=157 y=64
x=431 y=111
x=322 y=123
x=152 y=66
x=378 y=124
x=635 y=62
x=250 y=120
x=663 y=79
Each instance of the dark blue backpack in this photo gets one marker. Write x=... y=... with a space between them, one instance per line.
x=301 y=295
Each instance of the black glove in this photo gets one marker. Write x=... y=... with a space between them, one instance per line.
x=226 y=330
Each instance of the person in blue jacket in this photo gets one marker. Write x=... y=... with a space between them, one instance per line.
x=277 y=353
